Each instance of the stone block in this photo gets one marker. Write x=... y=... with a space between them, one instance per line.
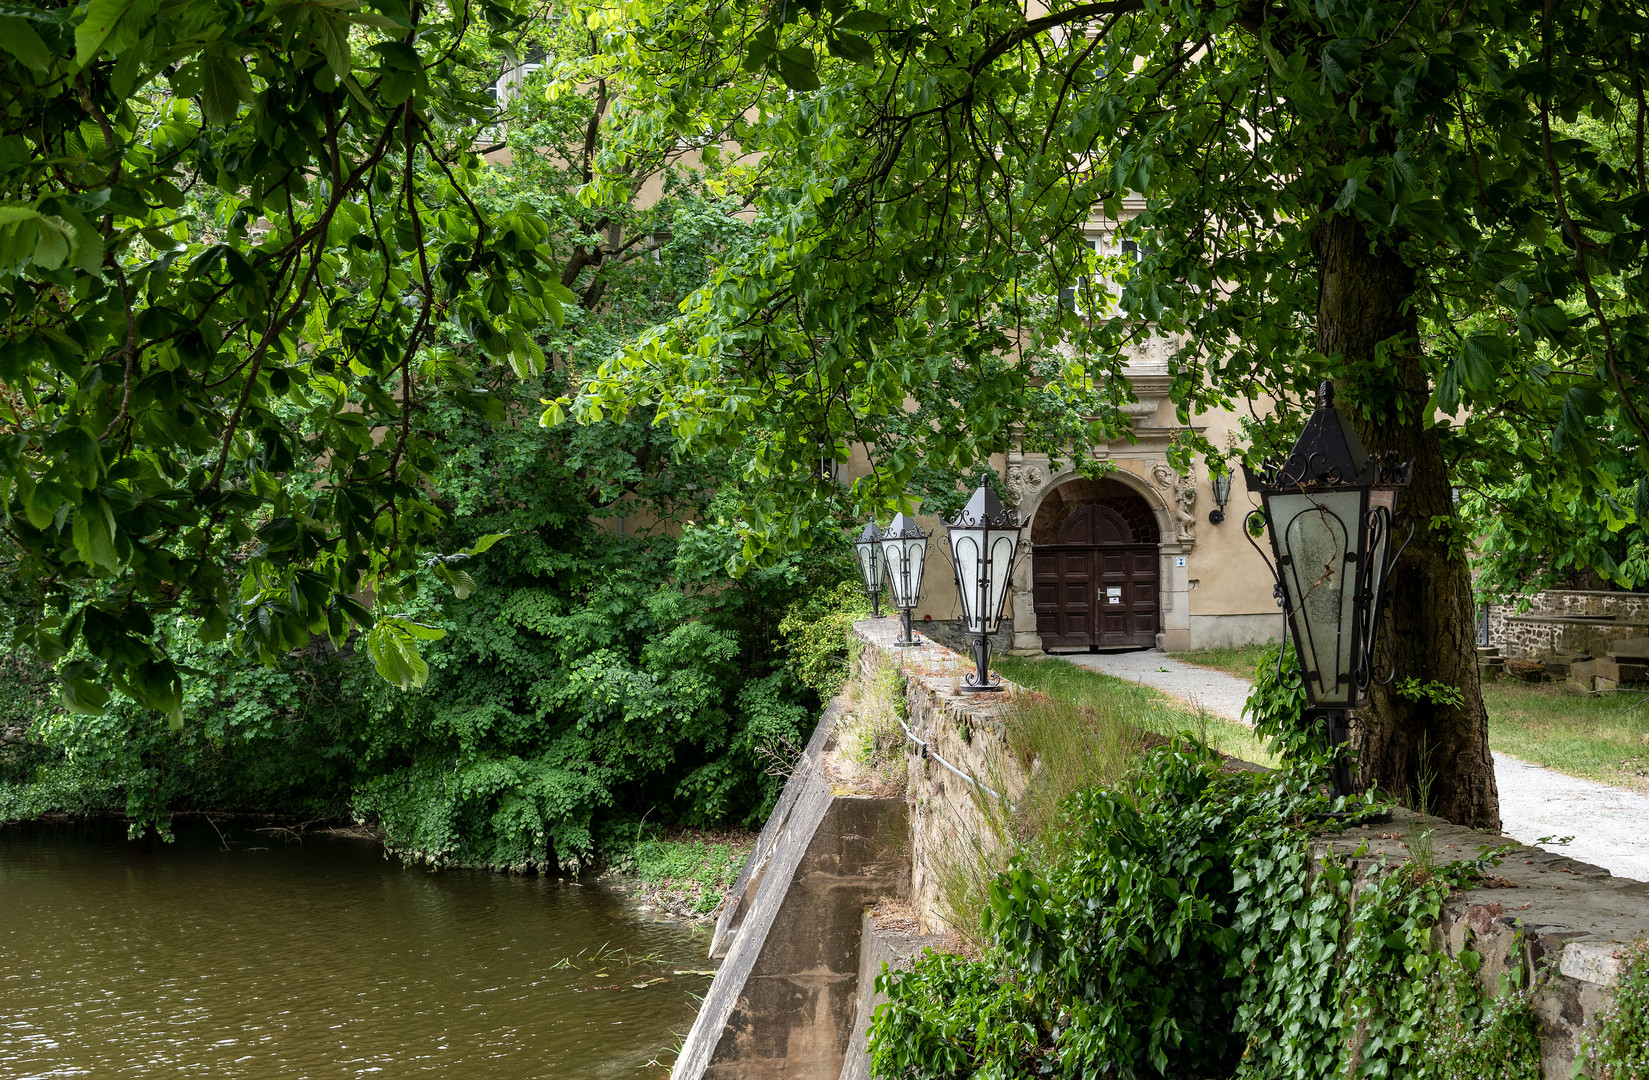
x=1581 y=674
x=1630 y=649
x=1558 y=666
x=1622 y=671
x=1601 y=685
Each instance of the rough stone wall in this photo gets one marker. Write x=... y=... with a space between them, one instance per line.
x=953 y=821
x=1562 y=621
x=1567 y=920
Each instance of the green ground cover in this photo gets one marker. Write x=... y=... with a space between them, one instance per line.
x=1600 y=738
x=689 y=871
x=1239 y=661
x=1148 y=708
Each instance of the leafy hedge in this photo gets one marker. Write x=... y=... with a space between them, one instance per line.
x=1180 y=931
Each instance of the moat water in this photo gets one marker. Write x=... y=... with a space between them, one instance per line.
x=255 y=954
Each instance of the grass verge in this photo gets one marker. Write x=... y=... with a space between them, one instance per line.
x=1600 y=738
x=1239 y=661
x=1141 y=706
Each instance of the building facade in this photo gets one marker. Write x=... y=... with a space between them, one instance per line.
x=1129 y=560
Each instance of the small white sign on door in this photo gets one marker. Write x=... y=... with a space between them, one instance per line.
x=1179 y=560
x=1113 y=594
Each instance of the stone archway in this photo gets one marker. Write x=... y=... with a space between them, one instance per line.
x=1096 y=561
x=1036 y=487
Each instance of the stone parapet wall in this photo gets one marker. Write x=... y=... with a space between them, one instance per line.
x=794 y=994
x=1566 y=919
x=1568 y=621
x=951 y=818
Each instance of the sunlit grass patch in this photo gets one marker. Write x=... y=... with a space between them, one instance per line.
x=689 y=872
x=1600 y=738
x=1149 y=709
x=1240 y=660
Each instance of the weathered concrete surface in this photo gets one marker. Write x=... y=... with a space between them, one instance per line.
x=807 y=785
x=884 y=943
x=1563 y=918
x=782 y=1003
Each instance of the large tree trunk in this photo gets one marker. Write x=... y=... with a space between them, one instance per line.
x=1418 y=750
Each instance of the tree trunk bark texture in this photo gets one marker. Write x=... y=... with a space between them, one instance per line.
x=1421 y=751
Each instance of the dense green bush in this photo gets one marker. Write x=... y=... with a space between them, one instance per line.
x=818 y=629
x=1181 y=931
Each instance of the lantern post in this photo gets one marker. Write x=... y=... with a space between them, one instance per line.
x=868 y=548
x=984 y=539
x=904 y=553
x=1329 y=509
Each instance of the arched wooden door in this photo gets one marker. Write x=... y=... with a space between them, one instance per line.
x=1095 y=585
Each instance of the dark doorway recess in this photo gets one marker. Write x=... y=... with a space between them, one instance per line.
x=1094 y=571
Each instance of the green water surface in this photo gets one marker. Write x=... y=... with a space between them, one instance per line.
x=257 y=955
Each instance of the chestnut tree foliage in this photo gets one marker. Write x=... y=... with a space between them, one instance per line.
x=239 y=242
x=1440 y=206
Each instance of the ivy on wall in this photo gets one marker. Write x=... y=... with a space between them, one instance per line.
x=1181 y=930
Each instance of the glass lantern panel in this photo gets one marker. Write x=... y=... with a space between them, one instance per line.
x=1316 y=530
x=905 y=557
x=965 y=553
x=1002 y=547
x=870 y=563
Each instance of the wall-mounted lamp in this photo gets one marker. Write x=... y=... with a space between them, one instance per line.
x=1221 y=483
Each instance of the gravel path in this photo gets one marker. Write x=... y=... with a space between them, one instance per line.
x=1609 y=825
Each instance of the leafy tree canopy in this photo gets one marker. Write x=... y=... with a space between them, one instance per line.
x=238 y=244
x=925 y=168
x=1439 y=206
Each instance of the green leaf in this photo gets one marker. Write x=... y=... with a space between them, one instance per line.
x=82 y=697
x=526 y=358
x=796 y=68
x=1640 y=504
x=864 y=21
x=334 y=43
x=111 y=25
x=484 y=544
x=1347 y=194
x=93 y=533
x=852 y=47
x=20 y=39
x=225 y=83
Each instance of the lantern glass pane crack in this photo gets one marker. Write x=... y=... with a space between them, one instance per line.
x=1329 y=511
x=984 y=539
x=868 y=548
x=904 y=552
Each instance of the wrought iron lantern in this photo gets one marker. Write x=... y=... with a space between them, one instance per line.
x=904 y=552
x=1329 y=507
x=984 y=539
x=1221 y=483
x=869 y=550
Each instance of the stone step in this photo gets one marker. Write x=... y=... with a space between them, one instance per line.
x=1636 y=648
